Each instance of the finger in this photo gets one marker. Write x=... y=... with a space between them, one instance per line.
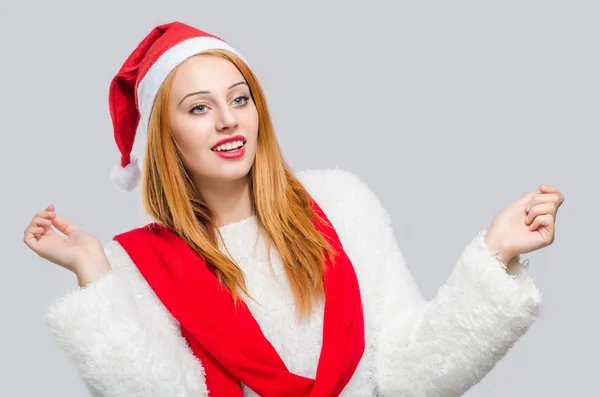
x=45 y=224
x=545 y=198
x=548 y=189
x=46 y=214
x=63 y=225
x=527 y=198
x=40 y=221
x=31 y=235
x=542 y=221
x=33 y=231
x=553 y=189
x=540 y=209
x=38 y=230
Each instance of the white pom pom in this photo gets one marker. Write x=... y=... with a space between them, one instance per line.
x=126 y=179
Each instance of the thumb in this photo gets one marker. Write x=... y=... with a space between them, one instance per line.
x=527 y=198
x=63 y=225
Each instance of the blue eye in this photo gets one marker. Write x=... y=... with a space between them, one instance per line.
x=241 y=100
x=200 y=107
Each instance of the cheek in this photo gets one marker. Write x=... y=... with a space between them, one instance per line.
x=192 y=138
x=251 y=122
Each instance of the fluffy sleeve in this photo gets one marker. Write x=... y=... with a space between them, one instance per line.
x=121 y=339
x=421 y=348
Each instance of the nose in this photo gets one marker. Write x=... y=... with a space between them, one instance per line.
x=226 y=120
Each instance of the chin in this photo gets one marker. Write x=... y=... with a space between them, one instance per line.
x=231 y=172
x=223 y=170
x=234 y=175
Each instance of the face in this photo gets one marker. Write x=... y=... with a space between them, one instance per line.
x=213 y=120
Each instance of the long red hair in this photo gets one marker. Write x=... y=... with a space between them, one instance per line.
x=281 y=203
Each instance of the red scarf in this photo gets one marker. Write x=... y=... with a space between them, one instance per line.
x=230 y=344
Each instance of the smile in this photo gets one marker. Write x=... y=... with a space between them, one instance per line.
x=230 y=148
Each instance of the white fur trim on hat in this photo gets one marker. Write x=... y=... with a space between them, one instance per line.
x=158 y=72
x=127 y=178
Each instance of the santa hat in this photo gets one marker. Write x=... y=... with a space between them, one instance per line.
x=134 y=88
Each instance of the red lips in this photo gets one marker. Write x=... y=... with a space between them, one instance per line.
x=227 y=140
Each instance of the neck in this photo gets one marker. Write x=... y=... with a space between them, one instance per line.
x=229 y=200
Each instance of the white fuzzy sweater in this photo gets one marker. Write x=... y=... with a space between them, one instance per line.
x=125 y=343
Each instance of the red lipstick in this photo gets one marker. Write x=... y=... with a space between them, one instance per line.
x=233 y=153
x=230 y=139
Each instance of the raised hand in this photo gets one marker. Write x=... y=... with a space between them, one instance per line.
x=79 y=252
x=526 y=225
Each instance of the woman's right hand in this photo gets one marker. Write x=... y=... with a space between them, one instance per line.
x=80 y=252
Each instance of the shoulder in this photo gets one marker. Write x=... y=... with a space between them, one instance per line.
x=344 y=196
x=364 y=229
x=331 y=179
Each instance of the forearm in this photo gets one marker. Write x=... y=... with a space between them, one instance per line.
x=92 y=269
x=103 y=329
x=455 y=340
x=501 y=254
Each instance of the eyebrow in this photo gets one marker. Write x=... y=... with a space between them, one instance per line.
x=208 y=92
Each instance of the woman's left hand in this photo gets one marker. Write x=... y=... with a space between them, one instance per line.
x=526 y=225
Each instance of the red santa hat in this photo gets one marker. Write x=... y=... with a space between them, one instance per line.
x=134 y=88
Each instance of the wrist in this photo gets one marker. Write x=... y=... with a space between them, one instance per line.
x=502 y=254
x=91 y=271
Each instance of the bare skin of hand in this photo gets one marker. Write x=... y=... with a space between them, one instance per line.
x=526 y=225
x=79 y=252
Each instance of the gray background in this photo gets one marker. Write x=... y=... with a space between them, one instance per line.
x=449 y=111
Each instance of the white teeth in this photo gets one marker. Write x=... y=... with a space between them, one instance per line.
x=229 y=146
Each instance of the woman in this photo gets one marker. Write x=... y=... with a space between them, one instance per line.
x=254 y=280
